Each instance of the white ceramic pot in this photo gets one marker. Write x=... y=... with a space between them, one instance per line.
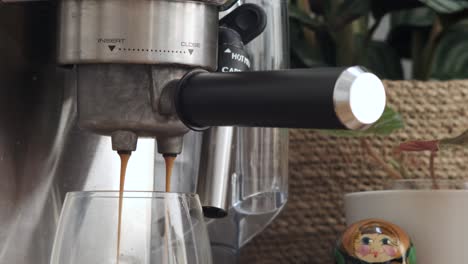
x=436 y=220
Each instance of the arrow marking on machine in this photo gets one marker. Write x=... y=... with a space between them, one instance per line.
x=228 y=50
x=111 y=47
x=190 y=51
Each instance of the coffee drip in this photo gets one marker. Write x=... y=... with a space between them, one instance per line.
x=124 y=158
x=169 y=160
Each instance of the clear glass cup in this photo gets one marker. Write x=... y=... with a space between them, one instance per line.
x=162 y=228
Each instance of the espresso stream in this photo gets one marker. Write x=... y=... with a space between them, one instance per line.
x=169 y=159
x=124 y=158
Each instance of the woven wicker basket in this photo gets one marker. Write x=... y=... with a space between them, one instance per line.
x=324 y=168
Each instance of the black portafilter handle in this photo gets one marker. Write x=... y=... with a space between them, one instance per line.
x=321 y=98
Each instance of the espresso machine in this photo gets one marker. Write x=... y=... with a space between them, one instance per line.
x=205 y=80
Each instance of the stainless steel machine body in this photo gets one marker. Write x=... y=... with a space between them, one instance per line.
x=125 y=61
x=138 y=32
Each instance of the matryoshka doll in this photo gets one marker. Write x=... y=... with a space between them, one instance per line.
x=374 y=241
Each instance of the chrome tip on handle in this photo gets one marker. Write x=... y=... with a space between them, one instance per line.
x=359 y=98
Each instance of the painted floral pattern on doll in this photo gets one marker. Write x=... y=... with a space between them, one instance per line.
x=374 y=241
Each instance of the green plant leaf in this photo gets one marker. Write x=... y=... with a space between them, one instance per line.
x=410 y=28
x=416 y=17
x=303 y=54
x=383 y=7
x=446 y=6
x=317 y=6
x=348 y=11
x=411 y=255
x=448 y=20
x=307 y=53
x=383 y=60
x=450 y=59
x=304 y=18
x=387 y=124
x=339 y=259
